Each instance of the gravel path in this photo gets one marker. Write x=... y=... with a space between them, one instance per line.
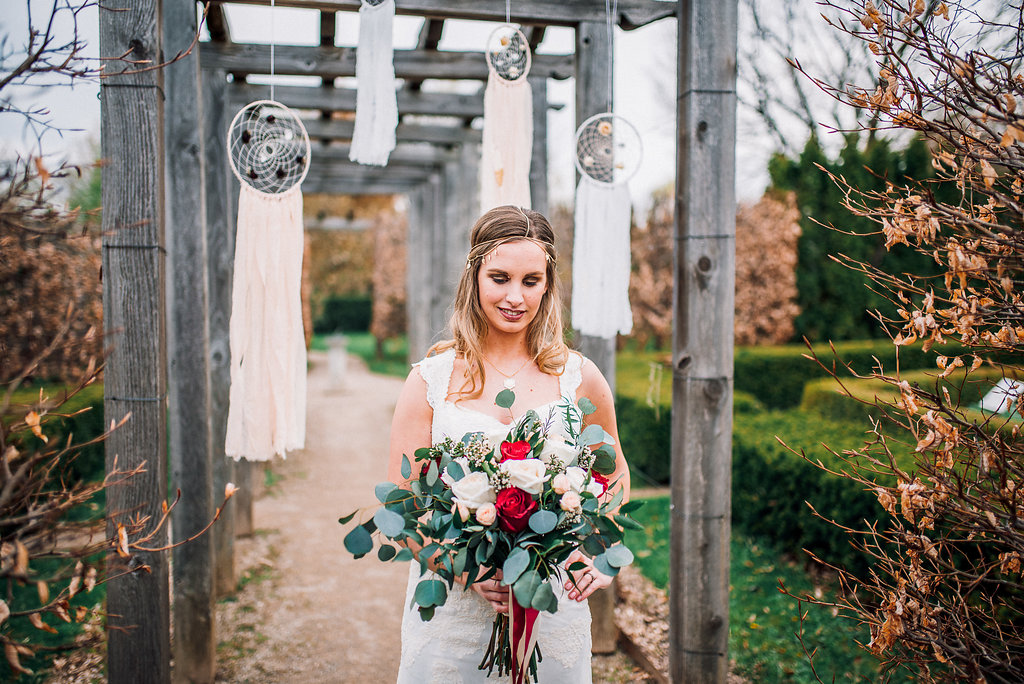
x=308 y=612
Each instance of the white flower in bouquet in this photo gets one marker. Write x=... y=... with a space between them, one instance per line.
x=577 y=478
x=528 y=474
x=448 y=479
x=486 y=514
x=571 y=502
x=561 y=484
x=474 y=490
x=595 y=488
x=558 y=453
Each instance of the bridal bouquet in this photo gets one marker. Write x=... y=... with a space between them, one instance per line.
x=520 y=501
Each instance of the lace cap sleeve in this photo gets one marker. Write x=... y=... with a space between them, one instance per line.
x=436 y=371
x=572 y=375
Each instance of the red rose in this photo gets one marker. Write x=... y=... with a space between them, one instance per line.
x=515 y=451
x=514 y=509
x=601 y=479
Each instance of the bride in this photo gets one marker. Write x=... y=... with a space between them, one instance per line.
x=507 y=333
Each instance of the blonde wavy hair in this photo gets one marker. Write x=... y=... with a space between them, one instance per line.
x=544 y=336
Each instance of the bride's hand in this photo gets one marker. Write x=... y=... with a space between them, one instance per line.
x=493 y=592
x=587 y=580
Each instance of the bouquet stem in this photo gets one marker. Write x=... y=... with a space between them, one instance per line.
x=500 y=653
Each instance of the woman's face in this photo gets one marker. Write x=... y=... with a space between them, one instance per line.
x=512 y=281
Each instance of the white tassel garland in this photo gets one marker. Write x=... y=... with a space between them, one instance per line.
x=600 y=259
x=376 y=99
x=267 y=411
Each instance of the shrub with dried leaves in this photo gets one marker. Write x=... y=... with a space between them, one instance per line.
x=945 y=596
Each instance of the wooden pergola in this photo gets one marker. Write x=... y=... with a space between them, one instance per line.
x=169 y=206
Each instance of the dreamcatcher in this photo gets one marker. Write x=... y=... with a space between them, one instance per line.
x=608 y=153
x=376 y=100
x=508 y=121
x=269 y=153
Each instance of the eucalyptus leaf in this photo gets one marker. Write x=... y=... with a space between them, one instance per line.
x=432 y=474
x=345 y=519
x=586 y=406
x=358 y=541
x=543 y=521
x=455 y=471
x=618 y=556
x=526 y=586
x=406 y=466
x=602 y=564
x=403 y=555
x=505 y=398
x=426 y=613
x=628 y=522
x=544 y=598
x=593 y=545
x=383 y=489
x=630 y=506
x=593 y=434
x=514 y=566
x=576 y=565
x=459 y=566
x=386 y=552
x=389 y=523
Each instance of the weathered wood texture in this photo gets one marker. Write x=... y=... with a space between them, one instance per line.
x=354 y=186
x=337 y=129
x=245 y=480
x=702 y=341
x=188 y=353
x=135 y=379
x=591 y=98
x=402 y=155
x=631 y=13
x=220 y=244
x=417 y=274
x=539 y=156
x=333 y=61
x=344 y=99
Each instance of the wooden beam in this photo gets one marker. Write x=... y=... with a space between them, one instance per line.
x=702 y=357
x=344 y=100
x=188 y=351
x=220 y=242
x=368 y=174
x=534 y=37
x=631 y=13
x=333 y=62
x=403 y=155
x=352 y=186
x=134 y=318
x=339 y=129
x=429 y=39
x=217 y=24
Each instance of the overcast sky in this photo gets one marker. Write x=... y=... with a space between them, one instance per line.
x=644 y=89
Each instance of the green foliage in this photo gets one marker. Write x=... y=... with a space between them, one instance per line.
x=85 y=424
x=763 y=621
x=834 y=300
x=770 y=483
x=394 y=357
x=350 y=313
x=87 y=193
x=645 y=435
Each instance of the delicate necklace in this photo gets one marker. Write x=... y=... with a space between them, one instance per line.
x=510 y=379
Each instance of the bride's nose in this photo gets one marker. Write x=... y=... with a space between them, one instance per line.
x=514 y=294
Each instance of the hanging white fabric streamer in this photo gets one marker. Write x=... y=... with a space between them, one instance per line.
x=507 y=147
x=376 y=99
x=600 y=259
x=267 y=411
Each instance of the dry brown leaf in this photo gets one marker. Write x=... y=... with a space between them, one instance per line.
x=122 y=541
x=90 y=579
x=44 y=591
x=20 y=560
x=11 y=651
x=37 y=622
x=44 y=174
x=32 y=420
x=5 y=611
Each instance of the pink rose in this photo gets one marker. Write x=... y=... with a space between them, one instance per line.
x=486 y=515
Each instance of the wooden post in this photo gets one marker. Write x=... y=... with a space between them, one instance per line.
x=539 y=157
x=188 y=353
x=135 y=379
x=592 y=98
x=437 y=275
x=220 y=243
x=417 y=272
x=702 y=341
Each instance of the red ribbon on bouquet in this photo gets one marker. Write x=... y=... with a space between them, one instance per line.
x=522 y=623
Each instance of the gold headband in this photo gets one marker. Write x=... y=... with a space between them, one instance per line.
x=498 y=242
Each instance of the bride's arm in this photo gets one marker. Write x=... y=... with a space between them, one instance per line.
x=410 y=430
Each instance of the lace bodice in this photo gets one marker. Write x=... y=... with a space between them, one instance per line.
x=448 y=648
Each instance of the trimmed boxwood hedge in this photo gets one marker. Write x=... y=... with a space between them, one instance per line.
x=770 y=483
x=345 y=314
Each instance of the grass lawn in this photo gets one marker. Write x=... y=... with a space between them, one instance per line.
x=763 y=621
x=364 y=345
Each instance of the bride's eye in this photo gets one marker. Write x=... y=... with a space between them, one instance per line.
x=499 y=278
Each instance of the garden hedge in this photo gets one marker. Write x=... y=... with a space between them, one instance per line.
x=345 y=314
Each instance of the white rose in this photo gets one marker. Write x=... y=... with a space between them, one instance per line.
x=448 y=479
x=529 y=474
x=486 y=514
x=496 y=437
x=595 y=488
x=571 y=502
x=558 y=452
x=463 y=510
x=577 y=476
x=560 y=483
x=473 y=491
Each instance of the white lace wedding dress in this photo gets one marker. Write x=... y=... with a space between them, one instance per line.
x=448 y=648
